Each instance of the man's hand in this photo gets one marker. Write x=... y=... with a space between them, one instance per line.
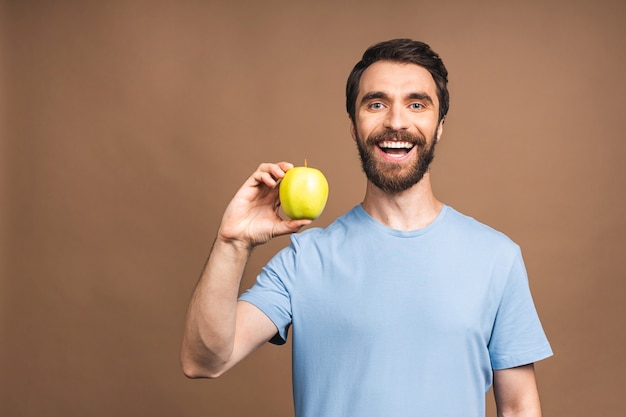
x=252 y=217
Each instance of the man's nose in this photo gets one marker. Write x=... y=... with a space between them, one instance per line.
x=396 y=119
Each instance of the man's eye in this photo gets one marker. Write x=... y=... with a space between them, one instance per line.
x=417 y=106
x=376 y=106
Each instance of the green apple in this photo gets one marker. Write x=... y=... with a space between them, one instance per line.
x=303 y=192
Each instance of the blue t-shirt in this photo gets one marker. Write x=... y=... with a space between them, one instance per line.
x=399 y=323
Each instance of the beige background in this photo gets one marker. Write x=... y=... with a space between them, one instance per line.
x=128 y=125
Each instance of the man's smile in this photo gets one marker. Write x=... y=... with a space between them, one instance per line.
x=391 y=146
x=395 y=150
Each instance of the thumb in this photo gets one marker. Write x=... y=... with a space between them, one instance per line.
x=290 y=226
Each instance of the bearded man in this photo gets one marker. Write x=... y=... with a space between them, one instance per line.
x=402 y=306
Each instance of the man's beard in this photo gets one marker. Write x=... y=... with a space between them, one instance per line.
x=390 y=177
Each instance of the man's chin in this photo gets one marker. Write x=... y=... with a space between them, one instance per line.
x=396 y=170
x=392 y=183
x=395 y=176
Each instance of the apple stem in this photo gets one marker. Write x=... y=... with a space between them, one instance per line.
x=305 y=162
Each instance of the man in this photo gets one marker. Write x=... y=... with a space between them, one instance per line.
x=402 y=306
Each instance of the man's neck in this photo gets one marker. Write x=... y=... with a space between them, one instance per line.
x=412 y=209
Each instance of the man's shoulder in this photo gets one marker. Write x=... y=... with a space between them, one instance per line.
x=476 y=230
x=337 y=228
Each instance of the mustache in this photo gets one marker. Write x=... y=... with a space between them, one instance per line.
x=399 y=135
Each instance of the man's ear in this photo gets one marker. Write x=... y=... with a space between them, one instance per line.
x=440 y=129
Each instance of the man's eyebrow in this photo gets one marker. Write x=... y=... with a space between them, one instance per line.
x=421 y=96
x=373 y=95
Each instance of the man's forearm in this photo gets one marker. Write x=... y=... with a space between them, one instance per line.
x=211 y=317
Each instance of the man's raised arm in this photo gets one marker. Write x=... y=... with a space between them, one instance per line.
x=220 y=331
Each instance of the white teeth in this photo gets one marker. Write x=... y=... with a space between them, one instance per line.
x=395 y=145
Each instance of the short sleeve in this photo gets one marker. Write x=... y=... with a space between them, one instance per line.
x=518 y=337
x=270 y=294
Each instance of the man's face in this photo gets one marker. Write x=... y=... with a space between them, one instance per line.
x=396 y=124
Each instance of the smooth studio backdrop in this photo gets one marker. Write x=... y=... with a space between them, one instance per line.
x=128 y=125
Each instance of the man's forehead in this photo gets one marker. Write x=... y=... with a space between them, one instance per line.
x=396 y=75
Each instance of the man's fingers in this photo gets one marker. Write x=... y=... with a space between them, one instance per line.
x=269 y=174
x=285 y=166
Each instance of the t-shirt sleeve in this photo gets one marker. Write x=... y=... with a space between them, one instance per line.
x=271 y=295
x=518 y=337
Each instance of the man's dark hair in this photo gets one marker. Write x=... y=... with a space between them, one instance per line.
x=401 y=51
